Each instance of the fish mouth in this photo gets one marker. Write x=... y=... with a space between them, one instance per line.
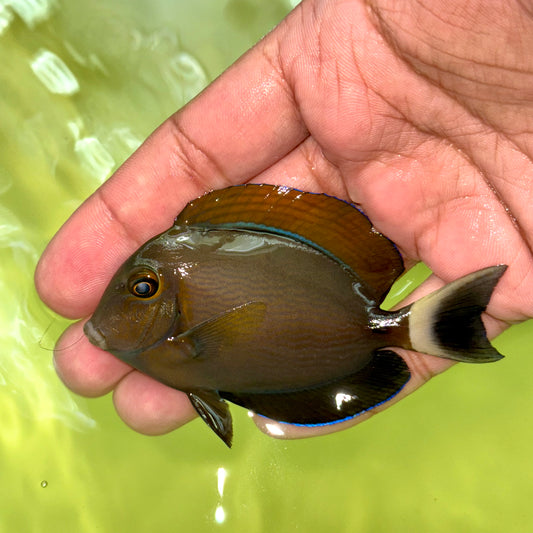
x=94 y=336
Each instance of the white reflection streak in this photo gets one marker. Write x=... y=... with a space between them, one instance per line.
x=220 y=513
x=31 y=11
x=6 y=17
x=275 y=429
x=341 y=398
x=272 y=428
x=94 y=157
x=222 y=474
x=54 y=74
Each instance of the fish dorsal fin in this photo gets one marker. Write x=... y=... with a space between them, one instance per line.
x=328 y=224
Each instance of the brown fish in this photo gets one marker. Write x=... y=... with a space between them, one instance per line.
x=270 y=298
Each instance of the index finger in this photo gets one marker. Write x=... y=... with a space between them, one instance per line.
x=223 y=137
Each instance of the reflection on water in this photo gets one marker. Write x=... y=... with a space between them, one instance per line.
x=220 y=513
x=54 y=74
x=27 y=376
x=30 y=11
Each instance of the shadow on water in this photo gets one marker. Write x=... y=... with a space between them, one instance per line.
x=81 y=85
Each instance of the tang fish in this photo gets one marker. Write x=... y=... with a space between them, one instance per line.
x=269 y=297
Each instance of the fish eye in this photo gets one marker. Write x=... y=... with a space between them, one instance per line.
x=143 y=284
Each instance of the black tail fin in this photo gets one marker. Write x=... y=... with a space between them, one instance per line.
x=447 y=323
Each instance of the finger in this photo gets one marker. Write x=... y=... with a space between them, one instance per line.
x=150 y=407
x=85 y=369
x=241 y=124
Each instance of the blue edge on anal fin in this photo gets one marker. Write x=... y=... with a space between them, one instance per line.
x=337 y=401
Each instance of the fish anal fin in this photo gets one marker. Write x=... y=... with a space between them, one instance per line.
x=324 y=222
x=215 y=412
x=377 y=382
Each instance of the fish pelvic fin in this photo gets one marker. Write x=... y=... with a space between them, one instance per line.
x=447 y=323
x=215 y=412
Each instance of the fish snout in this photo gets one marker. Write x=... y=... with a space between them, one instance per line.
x=94 y=336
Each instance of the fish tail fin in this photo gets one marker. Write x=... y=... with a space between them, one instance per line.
x=447 y=323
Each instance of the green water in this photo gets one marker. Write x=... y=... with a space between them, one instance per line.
x=80 y=87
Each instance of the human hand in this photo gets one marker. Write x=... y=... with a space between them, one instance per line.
x=418 y=113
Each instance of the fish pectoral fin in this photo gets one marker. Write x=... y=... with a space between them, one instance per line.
x=215 y=412
x=377 y=382
x=223 y=329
